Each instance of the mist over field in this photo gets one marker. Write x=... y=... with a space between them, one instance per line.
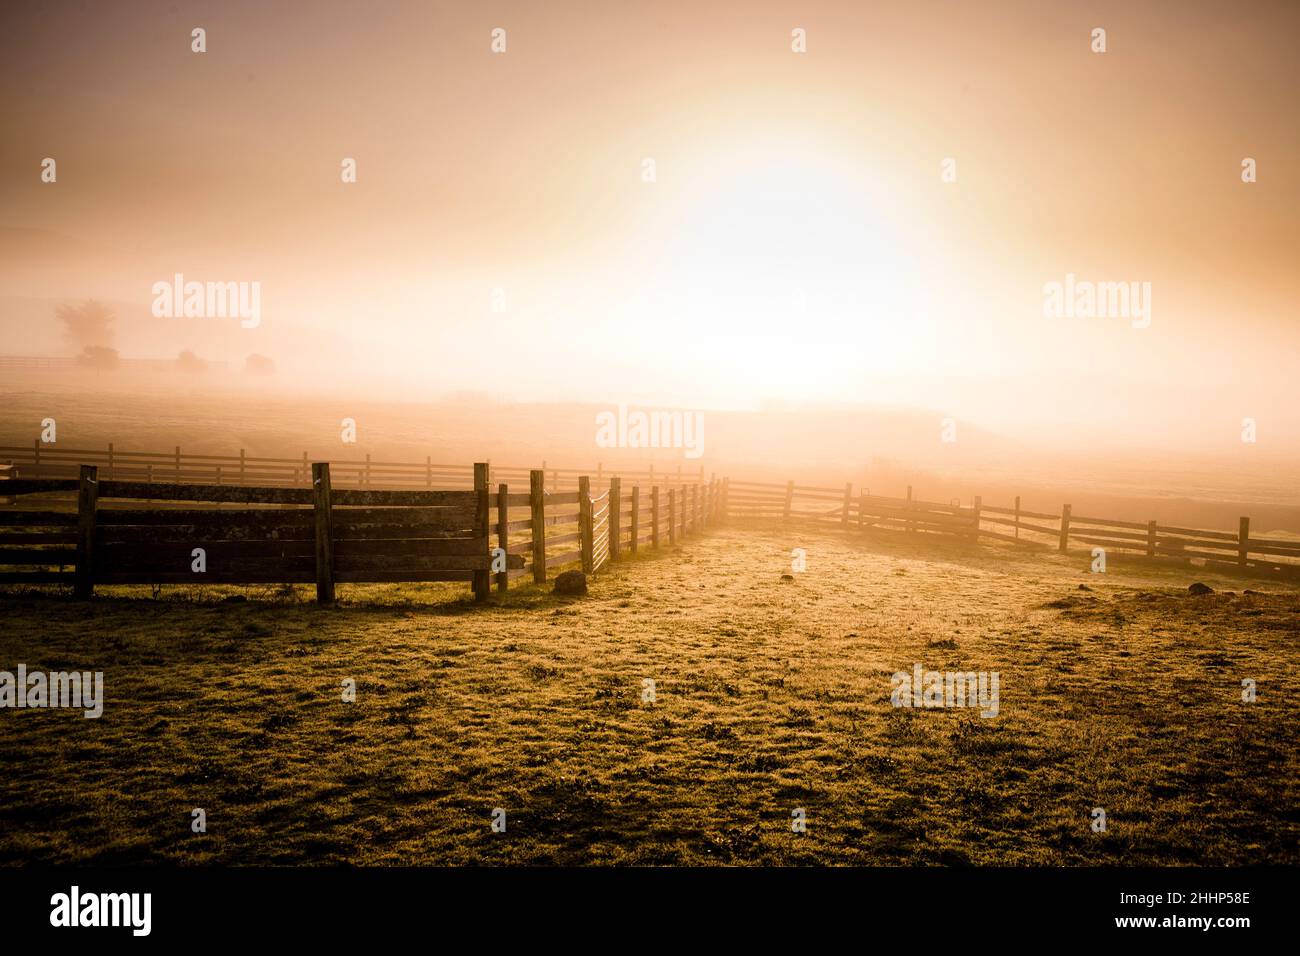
x=750 y=227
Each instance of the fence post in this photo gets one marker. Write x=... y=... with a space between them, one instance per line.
x=695 y=509
x=585 y=543
x=1243 y=540
x=503 y=534
x=178 y=463
x=1151 y=538
x=320 y=486
x=862 y=511
x=908 y=524
x=1065 y=527
x=726 y=499
x=615 y=516
x=112 y=472
x=242 y=480
x=672 y=516
x=654 y=517
x=36 y=457
x=482 y=578
x=979 y=503
x=87 y=502
x=848 y=503
x=537 y=504
x=789 y=497
x=636 y=516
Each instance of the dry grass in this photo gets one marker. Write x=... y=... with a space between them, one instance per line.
x=771 y=695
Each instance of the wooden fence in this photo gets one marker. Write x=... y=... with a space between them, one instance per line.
x=41 y=460
x=615 y=520
x=1218 y=549
x=327 y=535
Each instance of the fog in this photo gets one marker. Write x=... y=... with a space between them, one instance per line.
x=668 y=208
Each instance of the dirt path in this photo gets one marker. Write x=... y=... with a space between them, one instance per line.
x=769 y=696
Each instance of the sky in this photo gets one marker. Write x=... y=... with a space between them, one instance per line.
x=797 y=241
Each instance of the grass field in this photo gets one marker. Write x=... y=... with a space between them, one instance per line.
x=770 y=695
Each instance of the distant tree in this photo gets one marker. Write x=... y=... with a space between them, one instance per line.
x=98 y=357
x=189 y=362
x=87 y=325
x=259 y=365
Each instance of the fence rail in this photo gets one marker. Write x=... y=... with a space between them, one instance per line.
x=92 y=530
x=42 y=460
x=1218 y=549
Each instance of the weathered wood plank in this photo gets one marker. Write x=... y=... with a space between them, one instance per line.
x=60 y=556
x=1107 y=522
x=1039 y=515
x=87 y=505
x=1256 y=546
x=503 y=532
x=180 y=534
x=171 y=491
x=1194 y=533
x=240 y=575
x=368 y=576
x=208 y=517
x=40 y=486
x=482 y=580
x=38 y=519
x=38 y=537
x=125 y=557
x=409 y=499
x=447 y=547
x=449 y=516
x=537 y=507
x=419 y=562
x=323 y=545
x=38 y=577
